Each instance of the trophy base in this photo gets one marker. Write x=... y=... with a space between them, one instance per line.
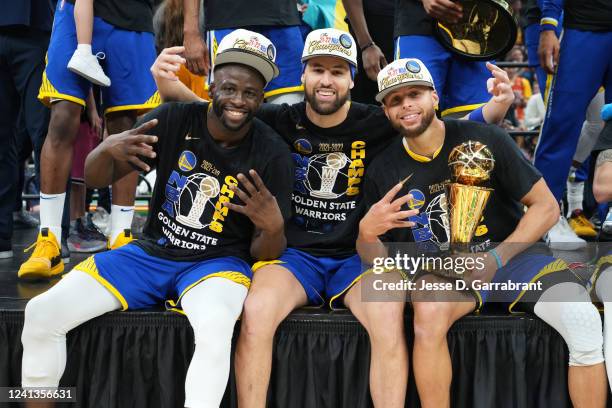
x=324 y=194
x=189 y=222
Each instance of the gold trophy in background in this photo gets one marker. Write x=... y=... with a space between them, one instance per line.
x=471 y=164
x=487 y=30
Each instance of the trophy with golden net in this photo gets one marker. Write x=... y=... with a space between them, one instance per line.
x=471 y=164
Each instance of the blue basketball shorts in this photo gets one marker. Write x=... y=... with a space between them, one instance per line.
x=128 y=56
x=324 y=279
x=139 y=280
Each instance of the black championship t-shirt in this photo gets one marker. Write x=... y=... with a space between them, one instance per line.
x=132 y=15
x=511 y=179
x=330 y=166
x=187 y=220
x=411 y=19
x=243 y=13
x=588 y=15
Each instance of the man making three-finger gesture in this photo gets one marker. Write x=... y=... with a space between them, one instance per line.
x=219 y=202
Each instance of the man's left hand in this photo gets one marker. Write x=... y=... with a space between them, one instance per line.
x=259 y=204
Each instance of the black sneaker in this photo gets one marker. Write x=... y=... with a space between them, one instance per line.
x=85 y=237
x=24 y=220
x=6 y=249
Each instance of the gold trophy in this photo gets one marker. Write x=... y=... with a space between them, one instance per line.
x=486 y=31
x=471 y=164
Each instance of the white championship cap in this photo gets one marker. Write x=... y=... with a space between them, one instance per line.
x=251 y=49
x=329 y=42
x=402 y=72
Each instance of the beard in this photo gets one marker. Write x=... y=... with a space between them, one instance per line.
x=321 y=109
x=425 y=122
x=218 y=109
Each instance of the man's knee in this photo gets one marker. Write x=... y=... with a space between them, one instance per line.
x=580 y=326
x=261 y=314
x=38 y=318
x=432 y=320
x=384 y=321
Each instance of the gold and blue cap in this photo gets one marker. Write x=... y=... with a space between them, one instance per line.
x=330 y=42
x=251 y=49
x=400 y=73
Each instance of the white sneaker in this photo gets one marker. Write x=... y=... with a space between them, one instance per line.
x=562 y=237
x=87 y=66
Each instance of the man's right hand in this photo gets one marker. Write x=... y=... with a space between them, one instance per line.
x=385 y=215
x=548 y=51
x=443 y=10
x=131 y=145
x=196 y=53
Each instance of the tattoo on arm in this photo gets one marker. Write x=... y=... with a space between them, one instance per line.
x=603 y=157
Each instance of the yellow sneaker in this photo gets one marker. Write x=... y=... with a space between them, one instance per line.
x=124 y=238
x=581 y=225
x=45 y=261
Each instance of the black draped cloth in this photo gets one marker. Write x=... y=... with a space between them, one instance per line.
x=321 y=359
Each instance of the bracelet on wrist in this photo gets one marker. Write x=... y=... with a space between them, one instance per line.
x=368 y=45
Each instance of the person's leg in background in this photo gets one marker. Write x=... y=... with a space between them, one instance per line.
x=84 y=237
x=22 y=219
x=8 y=151
x=65 y=92
x=123 y=190
x=579 y=171
x=579 y=75
x=129 y=56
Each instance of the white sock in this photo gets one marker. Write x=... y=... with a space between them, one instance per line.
x=84 y=48
x=121 y=219
x=575 y=194
x=51 y=210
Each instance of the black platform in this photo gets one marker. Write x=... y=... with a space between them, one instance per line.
x=321 y=359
